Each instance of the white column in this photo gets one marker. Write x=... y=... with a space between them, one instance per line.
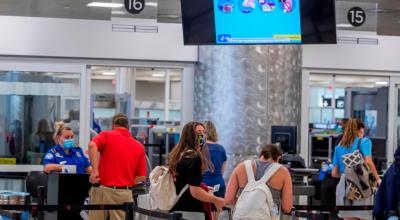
x=391 y=143
x=85 y=111
x=126 y=84
x=187 y=98
x=167 y=95
x=305 y=96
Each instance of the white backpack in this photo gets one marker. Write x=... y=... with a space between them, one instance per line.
x=255 y=202
x=162 y=189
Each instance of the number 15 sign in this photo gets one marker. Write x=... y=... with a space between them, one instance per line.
x=134 y=6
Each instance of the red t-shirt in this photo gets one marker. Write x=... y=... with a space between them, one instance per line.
x=122 y=158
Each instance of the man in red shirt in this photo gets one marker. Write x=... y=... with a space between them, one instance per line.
x=121 y=165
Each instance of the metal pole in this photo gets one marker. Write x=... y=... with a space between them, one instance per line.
x=177 y=216
x=128 y=208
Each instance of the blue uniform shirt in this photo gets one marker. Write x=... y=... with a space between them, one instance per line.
x=56 y=155
x=366 y=150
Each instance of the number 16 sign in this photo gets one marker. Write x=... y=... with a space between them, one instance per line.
x=134 y=6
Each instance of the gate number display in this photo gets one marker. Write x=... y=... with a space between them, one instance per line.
x=356 y=16
x=134 y=6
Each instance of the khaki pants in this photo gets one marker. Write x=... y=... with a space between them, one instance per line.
x=108 y=196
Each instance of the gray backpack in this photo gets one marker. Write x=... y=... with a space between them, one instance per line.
x=357 y=174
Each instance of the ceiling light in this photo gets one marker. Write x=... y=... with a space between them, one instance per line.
x=158 y=74
x=381 y=83
x=105 y=5
x=109 y=73
x=344 y=25
x=154 y=4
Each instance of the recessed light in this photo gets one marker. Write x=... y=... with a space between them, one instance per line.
x=381 y=83
x=109 y=73
x=158 y=74
x=105 y=5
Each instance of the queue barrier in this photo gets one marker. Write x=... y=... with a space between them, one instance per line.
x=323 y=212
x=129 y=208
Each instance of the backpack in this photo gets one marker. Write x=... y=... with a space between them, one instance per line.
x=358 y=175
x=255 y=202
x=162 y=189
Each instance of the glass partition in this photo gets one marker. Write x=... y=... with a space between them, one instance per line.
x=334 y=97
x=30 y=104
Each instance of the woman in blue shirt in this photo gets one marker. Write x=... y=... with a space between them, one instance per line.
x=65 y=152
x=353 y=134
x=218 y=159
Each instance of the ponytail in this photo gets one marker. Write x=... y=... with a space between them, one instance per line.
x=353 y=126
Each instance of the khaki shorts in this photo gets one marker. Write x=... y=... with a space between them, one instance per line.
x=108 y=196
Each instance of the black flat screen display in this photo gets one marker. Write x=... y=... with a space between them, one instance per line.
x=225 y=22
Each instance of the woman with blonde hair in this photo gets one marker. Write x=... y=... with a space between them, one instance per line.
x=187 y=162
x=214 y=178
x=65 y=152
x=353 y=139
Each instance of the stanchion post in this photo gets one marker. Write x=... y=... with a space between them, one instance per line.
x=177 y=216
x=128 y=208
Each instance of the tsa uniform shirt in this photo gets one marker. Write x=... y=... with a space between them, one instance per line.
x=365 y=148
x=56 y=155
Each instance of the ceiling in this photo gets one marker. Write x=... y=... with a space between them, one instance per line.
x=167 y=11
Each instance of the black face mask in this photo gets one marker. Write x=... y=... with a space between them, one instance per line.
x=201 y=140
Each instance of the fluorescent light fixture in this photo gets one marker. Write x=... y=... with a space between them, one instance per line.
x=344 y=25
x=158 y=74
x=109 y=73
x=105 y=5
x=153 y=4
x=382 y=83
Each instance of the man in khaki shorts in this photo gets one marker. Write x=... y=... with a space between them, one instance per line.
x=121 y=165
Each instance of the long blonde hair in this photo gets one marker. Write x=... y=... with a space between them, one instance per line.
x=211 y=131
x=353 y=126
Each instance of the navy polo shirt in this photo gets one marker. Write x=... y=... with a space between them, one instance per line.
x=57 y=155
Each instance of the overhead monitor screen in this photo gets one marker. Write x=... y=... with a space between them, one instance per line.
x=258 y=21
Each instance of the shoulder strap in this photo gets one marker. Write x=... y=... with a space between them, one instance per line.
x=183 y=190
x=270 y=171
x=249 y=171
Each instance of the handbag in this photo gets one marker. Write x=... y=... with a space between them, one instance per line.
x=359 y=178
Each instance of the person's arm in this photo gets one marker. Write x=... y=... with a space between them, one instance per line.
x=195 y=177
x=48 y=168
x=371 y=165
x=335 y=163
x=336 y=172
x=232 y=188
x=366 y=150
x=287 y=192
x=141 y=169
x=89 y=169
x=50 y=163
x=94 y=160
x=200 y=194
x=223 y=168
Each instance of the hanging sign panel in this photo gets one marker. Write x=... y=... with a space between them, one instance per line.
x=356 y=16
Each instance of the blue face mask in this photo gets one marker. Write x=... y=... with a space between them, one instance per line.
x=69 y=143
